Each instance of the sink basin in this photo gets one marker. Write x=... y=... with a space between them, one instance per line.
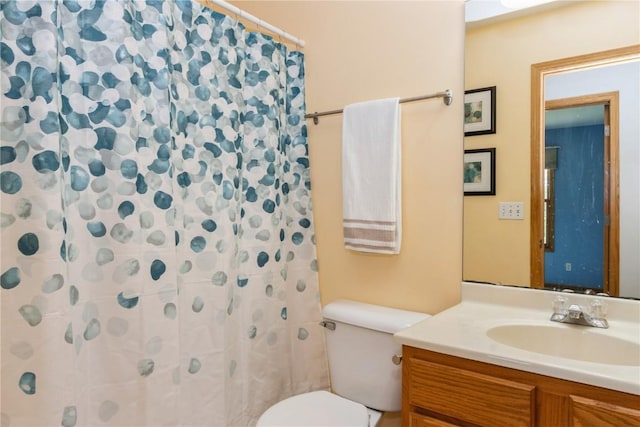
x=570 y=342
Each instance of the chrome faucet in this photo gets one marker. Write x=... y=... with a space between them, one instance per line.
x=576 y=315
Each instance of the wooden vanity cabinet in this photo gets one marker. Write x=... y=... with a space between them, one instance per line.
x=439 y=390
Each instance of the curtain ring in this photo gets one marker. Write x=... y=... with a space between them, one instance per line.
x=238 y=25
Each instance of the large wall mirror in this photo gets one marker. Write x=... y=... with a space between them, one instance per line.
x=567 y=146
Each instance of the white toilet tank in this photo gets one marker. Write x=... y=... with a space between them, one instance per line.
x=361 y=351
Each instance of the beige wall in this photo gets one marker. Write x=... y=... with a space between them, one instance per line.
x=501 y=55
x=358 y=51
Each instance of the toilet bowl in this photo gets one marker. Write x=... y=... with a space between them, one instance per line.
x=364 y=368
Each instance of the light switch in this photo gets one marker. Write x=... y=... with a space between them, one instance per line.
x=511 y=210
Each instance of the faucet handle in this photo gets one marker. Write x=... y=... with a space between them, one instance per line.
x=598 y=309
x=559 y=304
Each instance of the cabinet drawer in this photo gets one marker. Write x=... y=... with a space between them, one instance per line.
x=587 y=412
x=418 y=420
x=469 y=396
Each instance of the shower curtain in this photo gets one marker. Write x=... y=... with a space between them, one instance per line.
x=158 y=258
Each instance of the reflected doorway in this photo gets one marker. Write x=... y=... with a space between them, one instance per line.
x=580 y=208
x=598 y=72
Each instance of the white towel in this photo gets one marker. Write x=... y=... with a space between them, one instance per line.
x=371 y=176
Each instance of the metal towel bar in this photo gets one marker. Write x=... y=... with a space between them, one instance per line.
x=447 y=98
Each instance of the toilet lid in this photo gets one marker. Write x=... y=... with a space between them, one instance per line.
x=317 y=408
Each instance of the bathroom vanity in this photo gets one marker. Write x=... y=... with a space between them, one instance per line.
x=443 y=390
x=496 y=359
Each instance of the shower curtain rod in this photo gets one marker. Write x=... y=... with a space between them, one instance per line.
x=259 y=22
x=447 y=96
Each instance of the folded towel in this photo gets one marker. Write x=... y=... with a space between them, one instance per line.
x=371 y=176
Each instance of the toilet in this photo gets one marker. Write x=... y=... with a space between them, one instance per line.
x=364 y=366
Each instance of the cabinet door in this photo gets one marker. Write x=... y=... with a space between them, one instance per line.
x=469 y=396
x=588 y=412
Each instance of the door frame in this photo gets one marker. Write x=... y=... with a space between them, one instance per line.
x=538 y=73
x=611 y=184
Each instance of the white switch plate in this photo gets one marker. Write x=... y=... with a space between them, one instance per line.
x=511 y=210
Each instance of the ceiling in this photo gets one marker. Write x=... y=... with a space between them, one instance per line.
x=483 y=12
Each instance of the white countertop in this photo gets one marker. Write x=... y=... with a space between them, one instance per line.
x=461 y=331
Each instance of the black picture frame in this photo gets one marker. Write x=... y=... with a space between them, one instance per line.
x=479 y=172
x=480 y=111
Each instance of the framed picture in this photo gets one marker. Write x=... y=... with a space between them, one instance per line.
x=480 y=111
x=480 y=172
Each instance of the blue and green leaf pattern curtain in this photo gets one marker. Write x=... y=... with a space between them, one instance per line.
x=158 y=263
